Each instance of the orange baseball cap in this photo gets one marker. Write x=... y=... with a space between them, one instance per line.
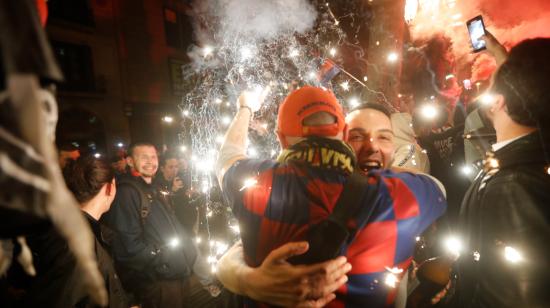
x=304 y=102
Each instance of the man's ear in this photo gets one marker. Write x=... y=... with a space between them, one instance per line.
x=130 y=161
x=498 y=104
x=346 y=133
x=108 y=188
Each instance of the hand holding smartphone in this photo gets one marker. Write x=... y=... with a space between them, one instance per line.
x=476 y=28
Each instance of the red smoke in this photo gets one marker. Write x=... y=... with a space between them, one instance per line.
x=510 y=21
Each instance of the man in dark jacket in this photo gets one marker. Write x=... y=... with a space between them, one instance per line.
x=504 y=216
x=154 y=254
x=172 y=181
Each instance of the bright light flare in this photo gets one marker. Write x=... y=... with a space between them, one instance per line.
x=167 y=119
x=97 y=155
x=293 y=53
x=512 y=255
x=391 y=280
x=235 y=229
x=393 y=56
x=466 y=170
x=183 y=148
x=175 y=242
x=429 y=111
x=218 y=101
x=354 y=102
x=249 y=183
x=252 y=152
x=345 y=85
x=207 y=51
x=255 y=97
x=246 y=53
x=186 y=113
x=332 y=51
x=487 y=99
x=453 y=246
x=226 y=120
x=411 y=9
x=120 y=144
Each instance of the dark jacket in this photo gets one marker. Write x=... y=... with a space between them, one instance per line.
x=507 y=207
x=58 y=282
x=185 y=208
x=141 y=245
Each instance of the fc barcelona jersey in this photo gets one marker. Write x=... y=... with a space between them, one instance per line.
x=276 y=203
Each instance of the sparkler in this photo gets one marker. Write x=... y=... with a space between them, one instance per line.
x=241 y=54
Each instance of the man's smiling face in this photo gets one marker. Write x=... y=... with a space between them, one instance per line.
x=371 y=137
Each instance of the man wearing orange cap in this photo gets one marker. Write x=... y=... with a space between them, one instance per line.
x=278 y=201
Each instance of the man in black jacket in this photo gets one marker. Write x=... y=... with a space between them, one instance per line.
x=504 y=216
x=154 y=254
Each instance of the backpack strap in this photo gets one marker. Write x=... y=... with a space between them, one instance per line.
x=146 y=199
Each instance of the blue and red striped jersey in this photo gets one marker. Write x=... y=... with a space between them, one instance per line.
x=287 y=199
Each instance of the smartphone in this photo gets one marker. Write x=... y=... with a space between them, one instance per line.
x=476 y=28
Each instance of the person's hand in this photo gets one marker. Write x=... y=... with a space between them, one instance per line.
x=278 y=282
x=177 y=184
x=213 y=289
x=495 y=48
x=253 y=99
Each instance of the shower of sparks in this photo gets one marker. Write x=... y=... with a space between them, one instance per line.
x=231 y=60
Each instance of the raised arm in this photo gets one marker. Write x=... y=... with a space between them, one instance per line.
x=234 y=144
x=277 y=282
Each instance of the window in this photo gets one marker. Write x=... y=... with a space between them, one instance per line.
x=178 y=29
x=74 y=11
x=76 y=64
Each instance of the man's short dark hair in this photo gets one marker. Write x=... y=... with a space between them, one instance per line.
x=134 y=145
x=523 y=79
x=166 y=156
x=378 y=107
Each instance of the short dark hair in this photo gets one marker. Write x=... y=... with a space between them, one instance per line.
x=134 y=145
x=86 y=176
x=523 y=81
x=379 y=107
x=166 y=156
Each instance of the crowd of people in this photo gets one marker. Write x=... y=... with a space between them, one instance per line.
x=349 y=214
